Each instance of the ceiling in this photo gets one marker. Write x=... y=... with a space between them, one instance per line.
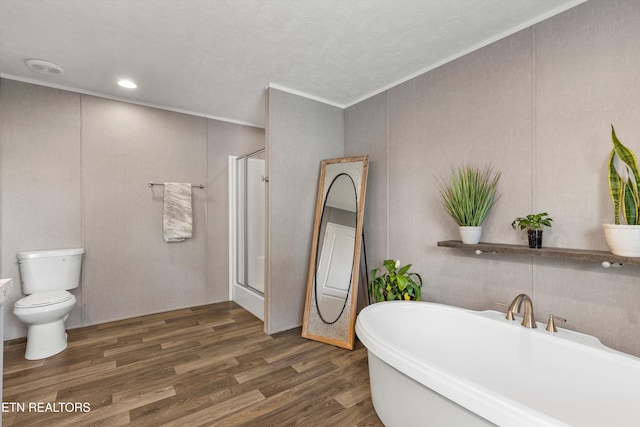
x=215 y=57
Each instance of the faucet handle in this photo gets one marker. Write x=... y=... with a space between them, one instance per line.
x=551 y=325
x=509 y=312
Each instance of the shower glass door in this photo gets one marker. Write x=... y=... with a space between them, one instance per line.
x=250 y=221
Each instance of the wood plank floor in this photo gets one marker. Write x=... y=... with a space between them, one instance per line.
x=209 y=365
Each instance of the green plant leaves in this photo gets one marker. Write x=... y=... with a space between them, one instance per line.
x=533 y=221
x=398 y=283
x=404 y=269
x=403 y=281
x=390 y=265
x=623 y=185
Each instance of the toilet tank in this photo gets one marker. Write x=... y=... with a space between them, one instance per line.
x=50 y=270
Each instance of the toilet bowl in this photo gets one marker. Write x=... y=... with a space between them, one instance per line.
x=45 y=313
x=46 y=276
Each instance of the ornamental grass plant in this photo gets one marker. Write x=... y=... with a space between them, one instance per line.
x=470 y=193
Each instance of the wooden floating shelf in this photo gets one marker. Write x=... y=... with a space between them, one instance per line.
x=603 y=257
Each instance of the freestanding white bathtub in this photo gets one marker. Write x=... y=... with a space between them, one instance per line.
x=436 y=365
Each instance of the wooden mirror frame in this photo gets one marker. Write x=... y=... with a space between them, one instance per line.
x=340 y=333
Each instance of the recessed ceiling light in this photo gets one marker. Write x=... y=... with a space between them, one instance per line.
x=44 y=67
x=127 y=83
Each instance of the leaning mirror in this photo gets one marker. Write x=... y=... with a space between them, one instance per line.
x=332 y=285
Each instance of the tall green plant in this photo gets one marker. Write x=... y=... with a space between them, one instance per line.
x=623 y=184
x=470 y=194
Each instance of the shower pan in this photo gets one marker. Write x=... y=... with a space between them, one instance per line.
x=247 y=231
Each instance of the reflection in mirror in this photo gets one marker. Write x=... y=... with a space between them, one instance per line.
x=336 y=244
x=330 y=308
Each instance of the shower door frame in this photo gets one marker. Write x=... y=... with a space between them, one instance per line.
x=247 y=297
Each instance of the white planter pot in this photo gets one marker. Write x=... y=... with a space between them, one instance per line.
x=623 y=240
x=470 y=235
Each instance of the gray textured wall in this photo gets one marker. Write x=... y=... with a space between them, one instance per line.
x=129 y=269
x=366 y=134
x=538 y=105
x=75 y=170
x=300 y=134
x=41 y=180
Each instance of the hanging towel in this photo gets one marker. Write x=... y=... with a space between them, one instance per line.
x=178 y=216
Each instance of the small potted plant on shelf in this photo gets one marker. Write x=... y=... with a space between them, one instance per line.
x=468 y=197
x=396 y=284
x=533 y=223
x=623 y=239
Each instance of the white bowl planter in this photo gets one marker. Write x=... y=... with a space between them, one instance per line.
x=470 y=235
x=623 y=240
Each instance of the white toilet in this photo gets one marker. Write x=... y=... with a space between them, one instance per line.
x=46 y=276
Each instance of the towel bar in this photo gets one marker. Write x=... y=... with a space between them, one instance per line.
x=151 y=184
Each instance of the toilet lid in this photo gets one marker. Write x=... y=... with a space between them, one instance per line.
x=41 y=299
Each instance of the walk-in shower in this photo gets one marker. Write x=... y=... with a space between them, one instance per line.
x=247 y=231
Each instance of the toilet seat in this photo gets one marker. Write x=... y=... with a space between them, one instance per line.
x=42 y=299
